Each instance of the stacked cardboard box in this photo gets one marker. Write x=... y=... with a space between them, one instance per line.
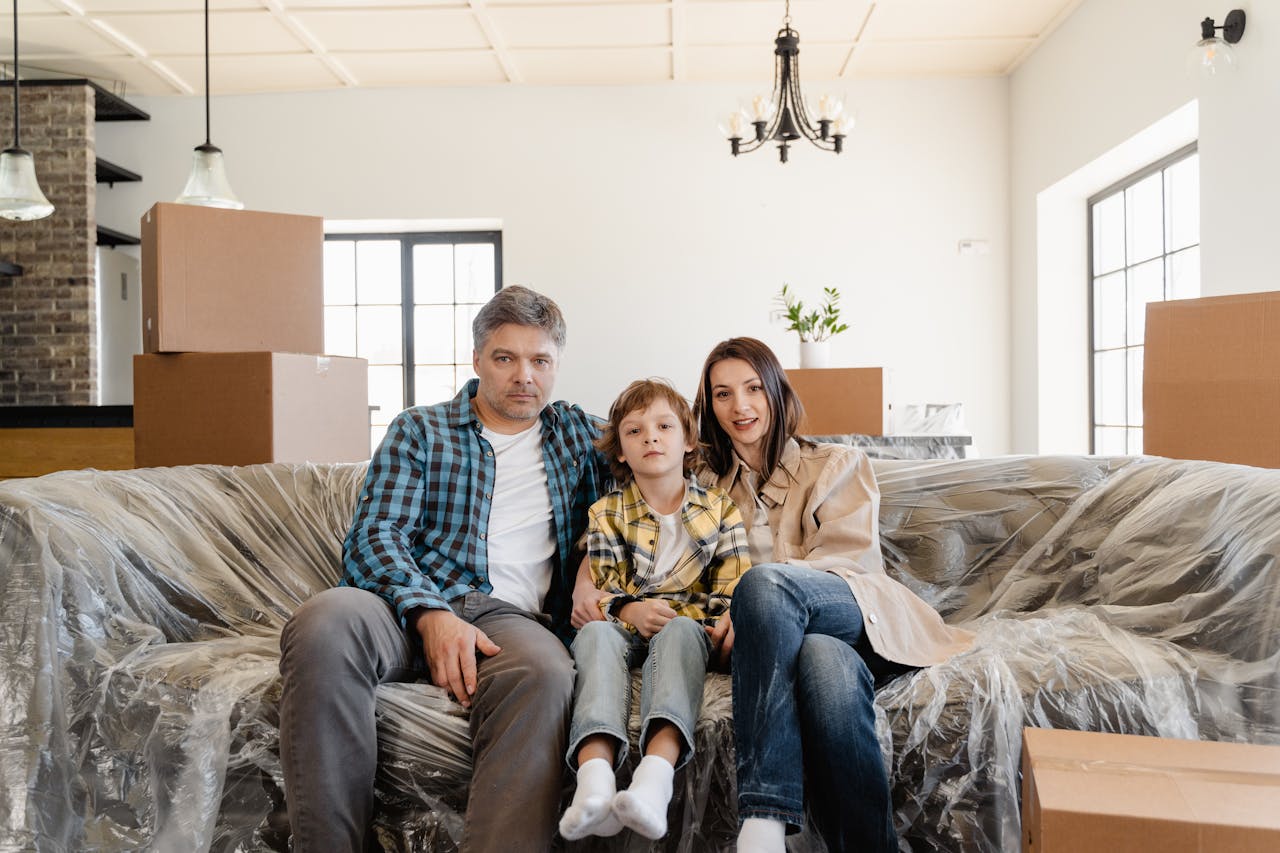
x=233 y=321
x=842 y=400
x=1131 y=794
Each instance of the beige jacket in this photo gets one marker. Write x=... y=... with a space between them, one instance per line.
x=823 y=506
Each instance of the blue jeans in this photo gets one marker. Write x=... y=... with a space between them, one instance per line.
x=804 y=722
x=675 y=665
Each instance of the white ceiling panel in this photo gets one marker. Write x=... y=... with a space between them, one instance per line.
x=394 y=29
x=182 y=34
x=751 y=23
x=947 y=19
x=423 y=68
x=125 y=73
x=234 y=74
x=583 y=26
x=650 y=65
x=49 y=36
x=974 y=57
x=747 y=63
x=102 y=7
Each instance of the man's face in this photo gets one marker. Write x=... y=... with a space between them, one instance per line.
x=517 y=370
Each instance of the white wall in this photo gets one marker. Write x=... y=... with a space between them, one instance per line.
x=624 y=205
x=1113 y=70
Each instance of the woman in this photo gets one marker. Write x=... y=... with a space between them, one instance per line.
x=817 y=621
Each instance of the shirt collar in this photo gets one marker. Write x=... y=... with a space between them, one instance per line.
x=780 y=479
x=694 y=494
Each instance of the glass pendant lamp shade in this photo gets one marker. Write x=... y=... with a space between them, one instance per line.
x=207 y=185
x=20 y=195
x=1211 y=57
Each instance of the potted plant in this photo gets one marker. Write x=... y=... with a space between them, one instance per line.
x=815 y=327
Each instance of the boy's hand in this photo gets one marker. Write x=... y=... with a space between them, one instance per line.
x=586 y=598
x=648 y=616
x=450 y=645
x=721 y=635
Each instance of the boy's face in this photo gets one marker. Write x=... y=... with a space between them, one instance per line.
x=653 y=442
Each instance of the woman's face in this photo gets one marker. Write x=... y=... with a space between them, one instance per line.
x=741 y=408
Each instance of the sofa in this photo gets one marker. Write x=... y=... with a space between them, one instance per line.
x=141 y=612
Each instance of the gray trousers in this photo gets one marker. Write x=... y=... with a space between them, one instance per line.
x=344 y=642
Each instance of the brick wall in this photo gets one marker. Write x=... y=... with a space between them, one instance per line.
x=47 y=315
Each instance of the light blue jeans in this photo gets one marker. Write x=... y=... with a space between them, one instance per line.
x=804 y=678
x=675 y=665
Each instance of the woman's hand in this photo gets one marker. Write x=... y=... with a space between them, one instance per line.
x=648 y=616
x=586 y=598
x=721 y=635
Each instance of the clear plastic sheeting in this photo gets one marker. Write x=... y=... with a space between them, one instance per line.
x=140 y=613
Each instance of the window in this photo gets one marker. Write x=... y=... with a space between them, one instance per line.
x=1144 y=247
x=405 y=302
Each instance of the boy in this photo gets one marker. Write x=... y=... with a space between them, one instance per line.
x=668 y=553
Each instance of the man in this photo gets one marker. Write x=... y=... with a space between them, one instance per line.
x=459 y=565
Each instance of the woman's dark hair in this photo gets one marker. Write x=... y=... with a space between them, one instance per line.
x=785 y=410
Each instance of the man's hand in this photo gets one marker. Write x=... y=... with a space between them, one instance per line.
x=450 y=647
x=586 y=598
x=721 y=635
x=649 y=616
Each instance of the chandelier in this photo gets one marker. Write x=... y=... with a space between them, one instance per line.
x=782 y=115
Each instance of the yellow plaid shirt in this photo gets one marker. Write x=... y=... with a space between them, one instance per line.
x=622 y=535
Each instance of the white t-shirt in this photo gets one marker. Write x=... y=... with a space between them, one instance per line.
x=521 y=538
x=673 y=543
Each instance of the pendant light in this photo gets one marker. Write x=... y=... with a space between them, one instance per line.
x=207 y=184
x=20 y=195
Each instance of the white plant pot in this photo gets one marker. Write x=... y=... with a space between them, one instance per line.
x=814 y=354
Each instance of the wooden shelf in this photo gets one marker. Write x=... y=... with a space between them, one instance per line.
x=107 y=106
x=111 y=174
x=113 y=238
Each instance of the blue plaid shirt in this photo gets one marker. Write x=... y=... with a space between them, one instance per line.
x=418 y=536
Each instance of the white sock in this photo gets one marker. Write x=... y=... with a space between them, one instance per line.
x=643 y=806
x=762 y=835
x=590 y=812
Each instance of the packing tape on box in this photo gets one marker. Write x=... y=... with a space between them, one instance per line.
x=1128 y=768
x=322 y=365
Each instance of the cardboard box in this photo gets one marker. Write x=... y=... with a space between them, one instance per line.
x=841 y=400
x=231 y=281
x=248 y=407
x=1211 y=379
x=1106 y=792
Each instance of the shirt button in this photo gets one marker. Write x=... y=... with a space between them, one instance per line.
x=488 y=453
x=488 y=494
x=871 y=617
x=482 y=537
x=573 y=462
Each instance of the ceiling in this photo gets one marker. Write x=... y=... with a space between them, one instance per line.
x=155 y=47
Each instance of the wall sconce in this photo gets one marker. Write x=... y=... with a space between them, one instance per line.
x=1213 y=56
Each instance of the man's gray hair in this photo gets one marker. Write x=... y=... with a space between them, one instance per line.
x=521 y=306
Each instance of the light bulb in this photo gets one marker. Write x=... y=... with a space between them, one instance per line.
x=844 y=125
x=734 y=127
x=1211 y=57
x=761 y=108
x=829 y=107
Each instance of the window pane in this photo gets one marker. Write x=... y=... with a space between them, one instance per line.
x=386 y=391
x=378 y=272
x=474 y=273
x=1184 y=274
x=1108 y=234
x=433 y=384
x=1109 y=371
x=376 y=433
x=433 y=334
x=1146 y=284
x=339 y=272
x=1135 y=385
x=379 y=336
x=433 y=273
x=1144 y=219
x=1109 y=441
x=1182 y=203
x=340 y=331
x=1108 y=311
x=464 y=343
x=1135 y=442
